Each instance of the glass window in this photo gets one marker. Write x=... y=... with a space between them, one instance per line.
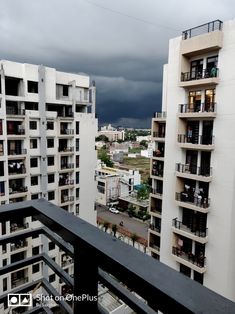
x=33 y=143
x=50 y=125
x=34 y=180
x=51 y=178
x=50 y=160
x=33 y=125
x=50 y=142
x=33 y=162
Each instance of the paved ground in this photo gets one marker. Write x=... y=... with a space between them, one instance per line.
x=130 y=224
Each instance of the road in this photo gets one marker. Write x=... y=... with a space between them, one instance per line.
x=130 y=224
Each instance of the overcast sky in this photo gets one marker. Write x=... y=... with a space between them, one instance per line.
x=122 y=44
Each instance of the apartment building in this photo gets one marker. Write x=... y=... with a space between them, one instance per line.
x=112 y=133
x=47 y=150
x=192 y=168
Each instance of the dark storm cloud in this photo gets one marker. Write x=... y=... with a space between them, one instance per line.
x=123 y=54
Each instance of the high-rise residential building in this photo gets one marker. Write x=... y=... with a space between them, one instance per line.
x=47 y=150
x=192 y=169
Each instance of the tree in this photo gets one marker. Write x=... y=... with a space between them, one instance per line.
x=104 y=157
x=106 y=225
x=114 y=229
x=143 y=193
x=102 y=138
x=134 y=238
x=144 y=143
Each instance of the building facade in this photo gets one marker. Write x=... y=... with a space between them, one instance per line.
x=192 y=168
x=47 y=150
x=112 y=133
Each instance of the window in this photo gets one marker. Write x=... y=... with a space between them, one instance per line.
x=34 y=196
x=50 y=125
x=33 y=162
x=77 y=177
x=51 y=178
x=36 y=268
x=50 y=142
x=77 y=161
x=35 y=250
x=4 y=262
x=4 y=284
x=34 y=180
x=50 y=161
x=77 y=193
x=86 y=93
x=32 y=87
x=77 y=127
x=33 y=125
x=77 y=209
x=65 y=90
x=33 y=143
x=51 y=196
x=51 y=246
x=52 y=278
x=77 y=144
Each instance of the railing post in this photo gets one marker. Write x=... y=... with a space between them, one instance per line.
x=85 y=279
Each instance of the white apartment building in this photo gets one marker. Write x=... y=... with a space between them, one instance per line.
x=47 y=149
x=112 y=133
x=192 y=168
x=113 y=183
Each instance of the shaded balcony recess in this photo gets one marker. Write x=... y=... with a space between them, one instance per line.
x=193 y=199
x=198 y=75
x=15 y=128
x=17 y=186
x=157 y=168
x=202 y=29
x=198 y=140
x=192 y=169
x=159 y=134
x=198 y=260
x=179 y=225
x=156 y=210
x=189 y=108
x=65 y=180
x=18 y=245
x=159 y=114
x=65 y=149
x=16 y=167
x=113 y=262
x=156 y=191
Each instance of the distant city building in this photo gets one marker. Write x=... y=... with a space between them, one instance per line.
x=119 y=147
x=143 y=138
x=112 y=183
x=192 y=169
x=111 y=133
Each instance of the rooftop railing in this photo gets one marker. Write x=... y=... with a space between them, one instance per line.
x=202 y=29
x=99 y=257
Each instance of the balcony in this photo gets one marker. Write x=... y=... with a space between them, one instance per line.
x=196 y=262
x=63 y=181
x=67 y=132
x=65 y=149
x=155 y=211
x=197 y=111
x=202 y=39
x=20 y=244
x=66 y=199
x=159 y=116
x=19 y=282
x=196 y=78
x=158 y=136
x=193 y=172
x=156 y=228
x=67 y=166
x=156 y=192
x=194 y=202
x=196 y=234
x=113 y=262
x=16 y=168
x=17 y=151
x=17 y=189
x=201 y=142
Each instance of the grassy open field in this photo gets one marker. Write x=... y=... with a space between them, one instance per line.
x=140 y=163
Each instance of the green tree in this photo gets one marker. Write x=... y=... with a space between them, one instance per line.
x=104 y=157
x=134 y=238
x=102 y=138
x=143 y=193
x=144 y=143
x=106 y=225
x=114 y=229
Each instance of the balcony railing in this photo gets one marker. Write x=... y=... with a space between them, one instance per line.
x=17 y=151
x=156 y=191
x=158 y=134
x=195 y=200
x=193 y=108
x=17 y=227
x=15 y=111
x=18 y=245
x=67 y=131
x=198 y=75
x=65 y=182
x=192 y=169
x=156 y=210
x=14 y=170
x=19 y=132
x=18 y=282
x=19 y=189
x=197 y=232
x=160 y=114
x=67 y=166
x=66 y=149
x=103 y=258
x=198 y=140
x=65 y=115
x=155 y=228
x=66 y=198
x=158 y=153
x=157 y=172
x=198 y=260
x=202 y=29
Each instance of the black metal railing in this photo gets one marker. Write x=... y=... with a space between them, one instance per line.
x=159 y=134
x=199 y=232
x=198 y=260
x=66 y=198
x=156 y=228
x=17 y=189
x=157 y=172
x=65 y=149
x=17 y=151
x=65 y=181
x=198 y=75
x=205 y=171
x=156 y=210
x=67 y=131
x=100 y=257
x=15 y=111
x=67 y=166
x=195 y=108
x=202 y=29
x=193 y=199
x=201 y=139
